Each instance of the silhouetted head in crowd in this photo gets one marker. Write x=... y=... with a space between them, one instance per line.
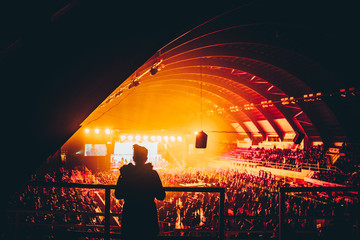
x=140 y=155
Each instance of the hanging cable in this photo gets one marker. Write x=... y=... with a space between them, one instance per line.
x=201 y=96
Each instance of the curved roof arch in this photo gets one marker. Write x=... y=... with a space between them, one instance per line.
x=234 y=95
x=231 y=101
x=247 y=66
x=214 y=103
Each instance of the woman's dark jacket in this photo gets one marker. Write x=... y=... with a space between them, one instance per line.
x=138 y=186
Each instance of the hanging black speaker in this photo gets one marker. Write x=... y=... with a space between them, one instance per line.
x=201 y=140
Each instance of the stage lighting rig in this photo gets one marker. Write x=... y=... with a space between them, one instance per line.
x=119 y=93
x=134 y=83
x=153 y=70
x=157 y=66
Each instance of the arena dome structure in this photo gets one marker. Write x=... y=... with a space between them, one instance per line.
x=264 y=72
x=248 y=82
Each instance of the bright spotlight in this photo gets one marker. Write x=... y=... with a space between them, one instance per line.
x=138 y=138
x=152 y=138
x=196 y=133
x=122 y=137
x=87 y=130
x=145 y=138
x=97 y=131
x=179 y=138
x=172 y=138
x=130 y=138
x=158 y=138
x=107 y=131
x=166 y=138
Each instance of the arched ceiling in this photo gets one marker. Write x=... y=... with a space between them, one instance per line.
x=229 y=74
x=61 y=59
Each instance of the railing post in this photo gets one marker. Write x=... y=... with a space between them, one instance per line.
x=16 y=224
x=357 y=222
x=281 y=212
x=222 y=219
x=107 y=213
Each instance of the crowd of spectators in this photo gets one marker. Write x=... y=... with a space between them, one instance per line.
x=58 y=204
x=296 y=157
x=343 y=179
x=329 y=176
x=251 y=201
x=349 y=162
x=342 y=171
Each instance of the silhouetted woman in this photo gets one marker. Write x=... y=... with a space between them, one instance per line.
x=139 y=185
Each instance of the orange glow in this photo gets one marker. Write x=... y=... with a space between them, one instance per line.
x=97 y=131
x=174 y=103
x=107 y=131
x=171 y=114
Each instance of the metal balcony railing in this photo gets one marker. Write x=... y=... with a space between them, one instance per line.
x=288 y=190
x=285 y=166
x=107 y=234
x=106 y=226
